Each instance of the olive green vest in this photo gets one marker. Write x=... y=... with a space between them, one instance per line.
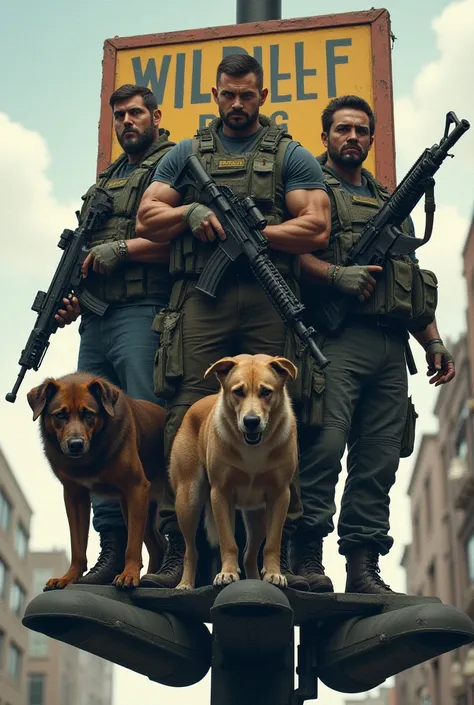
x=257 y=174
x=131 y=280
x=349 y=213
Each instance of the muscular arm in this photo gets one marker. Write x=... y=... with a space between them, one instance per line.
x=314 y=270
x=142 y=250
x=160 y=215
x=308 y=230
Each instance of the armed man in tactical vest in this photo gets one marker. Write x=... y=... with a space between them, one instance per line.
x=363 y=394
x=255 y=157
x=131 y=275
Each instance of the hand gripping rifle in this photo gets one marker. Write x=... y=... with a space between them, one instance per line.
x=243 y=223
x=381 y=237
x=67 y=281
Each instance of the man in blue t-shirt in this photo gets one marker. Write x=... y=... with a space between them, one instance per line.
x=253 y=156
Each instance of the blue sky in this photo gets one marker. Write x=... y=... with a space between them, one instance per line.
x=50 y=59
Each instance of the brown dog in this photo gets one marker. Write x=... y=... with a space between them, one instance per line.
x=237 y=449
x=97 y=439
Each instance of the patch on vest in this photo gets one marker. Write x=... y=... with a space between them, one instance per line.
x=365 y=200
x=230 y=163
x=116 y=183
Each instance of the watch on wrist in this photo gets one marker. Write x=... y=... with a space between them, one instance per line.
x=122 y=249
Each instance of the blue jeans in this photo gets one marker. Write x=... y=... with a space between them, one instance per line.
x=121 y=347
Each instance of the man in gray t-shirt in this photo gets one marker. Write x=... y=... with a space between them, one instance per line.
x=250 y=154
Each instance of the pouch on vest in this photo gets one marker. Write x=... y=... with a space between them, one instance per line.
x=408 y=438
x=307 y=390
x=168 y=369
x=424 y=299
x=398 y=292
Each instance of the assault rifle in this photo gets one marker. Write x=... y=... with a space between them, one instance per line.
x=381 y=236
x=67 y=281
x=243 y=223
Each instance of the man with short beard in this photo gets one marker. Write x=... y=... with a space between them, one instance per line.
x=131 y=275
x=364 y=403
x=252 y=155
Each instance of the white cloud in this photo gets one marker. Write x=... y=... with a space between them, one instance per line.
x=441 y=86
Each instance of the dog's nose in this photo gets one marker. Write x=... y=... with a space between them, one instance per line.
x=251 y=422
x=75 y=445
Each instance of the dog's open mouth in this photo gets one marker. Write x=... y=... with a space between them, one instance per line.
x=252 y=439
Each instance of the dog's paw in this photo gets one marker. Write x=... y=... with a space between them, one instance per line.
x=185 y=586
x=275 y=579
x=56 y=584
x=127 y=580
x=222 y=579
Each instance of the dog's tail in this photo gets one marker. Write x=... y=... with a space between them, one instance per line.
x=210 y=525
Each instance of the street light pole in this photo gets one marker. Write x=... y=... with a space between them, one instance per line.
x=258 y=10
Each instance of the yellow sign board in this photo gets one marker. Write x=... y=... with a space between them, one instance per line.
x=305 y=65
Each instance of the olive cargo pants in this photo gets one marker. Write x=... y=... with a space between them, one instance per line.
x=365 y=406
x=240 y=320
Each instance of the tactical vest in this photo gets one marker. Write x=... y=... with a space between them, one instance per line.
x=131 y=280
x=398 y=287
x=257 y=174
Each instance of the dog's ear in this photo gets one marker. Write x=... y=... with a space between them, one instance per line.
x=283 y=367
x=221 y=368
x=39 y=396
x=105 y=393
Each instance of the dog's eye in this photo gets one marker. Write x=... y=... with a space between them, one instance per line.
x=266 y=393
x=239 y=392
x=88 y=414
x=61 y=415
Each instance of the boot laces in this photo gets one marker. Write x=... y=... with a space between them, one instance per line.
x=173 y=559
x=312 y=559
x=372 y=564
x=107 y=546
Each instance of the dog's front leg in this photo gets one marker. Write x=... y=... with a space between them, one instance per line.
x=135 y=508
x=78 y=508
x=224 y=512
x=276 y=511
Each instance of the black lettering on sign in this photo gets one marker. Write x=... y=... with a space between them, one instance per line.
x=205 y=119
x=179 y=80
x=149 y=77
x=332 y=60
x=301 y=73
x=276 y=77
x=280 y=114
x=257 y=52
x=196 y=95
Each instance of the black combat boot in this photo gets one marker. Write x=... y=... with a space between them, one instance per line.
x=297 y=582
x=307 y=561
x=111 y=561
x=171 y=570
x=363 y=572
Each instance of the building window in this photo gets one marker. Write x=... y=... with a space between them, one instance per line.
x=21 y=541
x=2 y=648
x=40 y=578
x=470 y=558
x=3 y=579
x=17 y=599
x=37 y=645
x=36 y=683
x=5 y=512
x=14 y=657
x=428 y=507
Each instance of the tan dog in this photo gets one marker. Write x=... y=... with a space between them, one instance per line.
x=237 y=449
x=98 y=439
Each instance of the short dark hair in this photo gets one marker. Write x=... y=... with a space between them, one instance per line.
x=347 y=101
x=128 y=90
x=238 y=65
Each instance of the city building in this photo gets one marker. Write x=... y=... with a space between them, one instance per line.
x=15 y=516
x=440 y=559
x=60 y=674
x=383 y=696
